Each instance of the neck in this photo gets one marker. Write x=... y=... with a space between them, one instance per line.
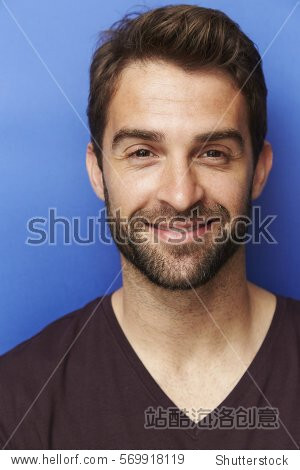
x=181 y=326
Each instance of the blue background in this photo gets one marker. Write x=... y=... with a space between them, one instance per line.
x=43 y=137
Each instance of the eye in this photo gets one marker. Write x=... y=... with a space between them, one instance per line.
x=141 y=154
x=214 y=155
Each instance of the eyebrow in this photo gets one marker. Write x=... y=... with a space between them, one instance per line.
x=159 y=137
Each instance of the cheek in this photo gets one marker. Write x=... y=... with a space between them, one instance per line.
x=230 y=191
x=131 y=192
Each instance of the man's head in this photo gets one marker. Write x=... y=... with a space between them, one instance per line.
x=177 y=113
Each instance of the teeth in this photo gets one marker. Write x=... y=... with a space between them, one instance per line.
x=188 y=229
x=179 y=228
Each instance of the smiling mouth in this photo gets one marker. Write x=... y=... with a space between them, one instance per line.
x=187 y=227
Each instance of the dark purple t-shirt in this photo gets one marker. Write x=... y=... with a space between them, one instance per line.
x=78 y=384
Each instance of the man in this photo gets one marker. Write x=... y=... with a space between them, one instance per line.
x=187 y=354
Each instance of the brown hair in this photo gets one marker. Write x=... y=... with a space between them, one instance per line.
x=189 y=36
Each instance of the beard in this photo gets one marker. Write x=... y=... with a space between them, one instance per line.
x=181 y=266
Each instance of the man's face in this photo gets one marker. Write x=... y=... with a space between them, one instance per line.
x=176 y=173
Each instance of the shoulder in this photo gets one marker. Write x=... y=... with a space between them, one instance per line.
x=269 y=300
x=288 y=310
x=292 y=305
x=291 y=308
x=282 y=310
x=50 y=342
x=288 y=322
x=37 y=372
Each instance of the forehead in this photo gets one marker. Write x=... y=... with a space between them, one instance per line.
x=160 y=94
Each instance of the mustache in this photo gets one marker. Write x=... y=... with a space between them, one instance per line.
x=167 y=215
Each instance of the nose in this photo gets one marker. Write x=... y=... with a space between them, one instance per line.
x=179 y=185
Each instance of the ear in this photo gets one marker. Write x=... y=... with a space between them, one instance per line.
x=94 y=172
x=262 y=170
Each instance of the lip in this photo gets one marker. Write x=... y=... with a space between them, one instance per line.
x=176 y=226
x=182 y=233
x=189 y=226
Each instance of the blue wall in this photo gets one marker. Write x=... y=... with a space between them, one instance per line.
x=45 y=53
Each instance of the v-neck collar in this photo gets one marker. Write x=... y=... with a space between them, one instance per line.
x=240 y=390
